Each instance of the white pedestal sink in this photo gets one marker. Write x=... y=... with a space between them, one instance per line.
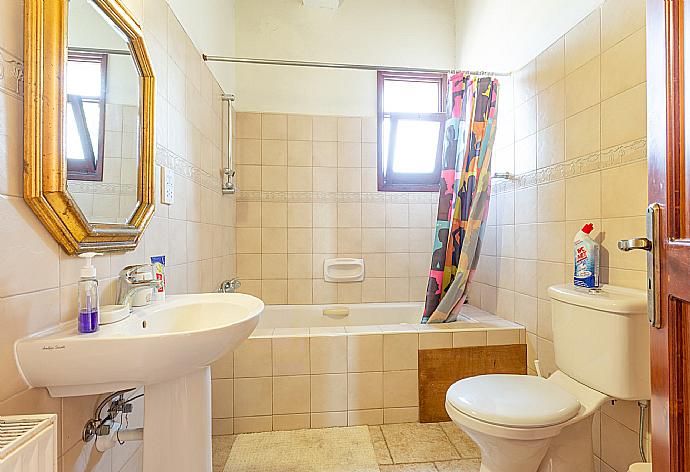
x=166 y=347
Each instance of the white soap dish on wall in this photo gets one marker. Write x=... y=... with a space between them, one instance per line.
x=343 y=269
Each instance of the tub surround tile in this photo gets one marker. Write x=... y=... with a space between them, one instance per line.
x=329 y=393
x=365 y=353
x=222 y=426
x=290 y=355
x=253 y=358
x=260 y=333
x=328 y=354
x=400 y=389
x=401 y=415
x=502 y=336
x=253 y=396
x=331 y=376
x=400 y=351
x=330 y=419
x=222 y=398
x=290 y=332
x=435 y=340
x=291 y=422
x=291 y=394
x=398 y=328
x=327 y=330
x=326 y=164
x=364 y=390
x=254 y=424
x=371 y=329
x=365 y=417
x=469 y=338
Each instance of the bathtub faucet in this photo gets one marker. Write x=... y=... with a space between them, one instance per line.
x=229 y=286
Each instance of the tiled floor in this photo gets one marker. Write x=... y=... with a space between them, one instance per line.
x=409 y=447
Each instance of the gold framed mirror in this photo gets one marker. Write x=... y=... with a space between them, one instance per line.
x=88 y=123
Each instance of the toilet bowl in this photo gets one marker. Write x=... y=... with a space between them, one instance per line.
x=527 y=424
x=641 y=467
x=532 y=424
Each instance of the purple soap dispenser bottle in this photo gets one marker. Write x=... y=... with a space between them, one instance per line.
x=87 y=288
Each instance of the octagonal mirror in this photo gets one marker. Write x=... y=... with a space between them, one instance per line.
x=89 y=89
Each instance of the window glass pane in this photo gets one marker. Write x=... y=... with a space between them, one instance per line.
x=416 y=143
x=413 y=97
x=92 y=113
x=72 y=142
x=386 y=137
x=83 y=78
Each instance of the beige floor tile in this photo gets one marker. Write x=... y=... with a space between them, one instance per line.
x=380 y=447
x=426 y=467
x=465 y=446
x=470 y=465
x=221 y=451
x=417 y=442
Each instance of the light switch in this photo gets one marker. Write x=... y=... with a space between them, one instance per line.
x=168 y=186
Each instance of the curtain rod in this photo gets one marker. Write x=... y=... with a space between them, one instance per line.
x=337 y=65
x=115 y=52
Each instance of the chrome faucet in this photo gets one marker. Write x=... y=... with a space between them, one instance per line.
x=127 y=286
x=229 y=286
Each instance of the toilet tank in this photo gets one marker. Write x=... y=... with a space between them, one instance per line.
x=601 y=338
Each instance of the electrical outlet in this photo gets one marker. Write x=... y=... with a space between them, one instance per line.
x=168 y=186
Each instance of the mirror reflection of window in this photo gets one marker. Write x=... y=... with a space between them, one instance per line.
x=85 y=115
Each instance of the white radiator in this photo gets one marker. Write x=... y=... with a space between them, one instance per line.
x=28 y=443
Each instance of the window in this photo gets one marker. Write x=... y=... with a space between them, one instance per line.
x=410 y=131
x=85 y=115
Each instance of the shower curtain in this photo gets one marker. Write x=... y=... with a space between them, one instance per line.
x=465 y=188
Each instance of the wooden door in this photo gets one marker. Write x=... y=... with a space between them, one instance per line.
x=669 y=184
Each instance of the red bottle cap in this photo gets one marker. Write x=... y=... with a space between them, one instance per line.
x=587 y=228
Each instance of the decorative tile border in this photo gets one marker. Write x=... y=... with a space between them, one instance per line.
x=624 y=154
x=166 y=158
x=11 y=74
x=100 y=188
x=615 y=156
x=335 y=197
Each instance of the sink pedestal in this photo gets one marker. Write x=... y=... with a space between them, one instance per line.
x=177 y=424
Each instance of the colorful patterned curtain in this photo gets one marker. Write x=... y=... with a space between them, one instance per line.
x=463 y=203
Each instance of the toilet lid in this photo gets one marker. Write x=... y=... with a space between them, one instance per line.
x=513 y=400
x=641 y=467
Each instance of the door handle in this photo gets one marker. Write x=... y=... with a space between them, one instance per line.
x=651 y=245
x=635 y=243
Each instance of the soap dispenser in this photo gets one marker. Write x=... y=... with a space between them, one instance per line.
x=87 y=292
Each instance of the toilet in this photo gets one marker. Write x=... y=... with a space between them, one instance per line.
x=527 y=423
x=641 y=467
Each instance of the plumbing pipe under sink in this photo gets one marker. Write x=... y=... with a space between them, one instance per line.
x=118 y=435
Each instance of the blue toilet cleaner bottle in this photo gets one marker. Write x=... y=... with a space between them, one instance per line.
x=586 y=258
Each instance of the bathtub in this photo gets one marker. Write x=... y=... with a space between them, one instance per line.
x=323 y=316
x=316 y=366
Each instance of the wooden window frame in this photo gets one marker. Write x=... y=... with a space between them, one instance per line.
x=397 y=182
x=91 y=168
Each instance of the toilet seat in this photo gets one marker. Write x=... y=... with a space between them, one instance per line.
x=513 y=401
